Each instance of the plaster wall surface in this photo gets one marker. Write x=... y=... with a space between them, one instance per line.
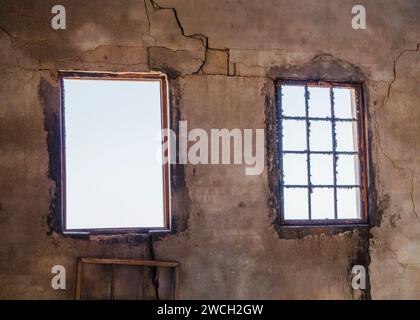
x=222 y=59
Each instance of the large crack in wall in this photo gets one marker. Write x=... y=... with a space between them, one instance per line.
x=220 y=79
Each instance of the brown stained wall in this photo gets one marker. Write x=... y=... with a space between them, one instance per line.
x=221 y=60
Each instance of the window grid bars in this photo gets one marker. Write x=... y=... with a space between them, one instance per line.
x=308 y=151
x=342 y=186
x=279 y=138
x=359 y=148
x=334 y=142
x=319 y=118
x=321 y=152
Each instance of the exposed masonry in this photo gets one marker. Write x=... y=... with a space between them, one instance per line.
x=192 y=54
x=153 y=5
x=365 y=244
x=202 y=38
x=231 y=69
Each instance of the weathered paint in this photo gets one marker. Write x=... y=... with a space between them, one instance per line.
x=221 y=61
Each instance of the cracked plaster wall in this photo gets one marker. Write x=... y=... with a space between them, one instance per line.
x=221 y=59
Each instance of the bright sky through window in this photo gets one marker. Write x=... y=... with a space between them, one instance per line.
x=319 y=153
x=112 y=139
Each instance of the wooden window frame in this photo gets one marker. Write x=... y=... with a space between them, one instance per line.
x=165 y=121
x=362 y=153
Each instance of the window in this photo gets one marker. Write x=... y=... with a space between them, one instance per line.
x=112 y=179
x=321 y=153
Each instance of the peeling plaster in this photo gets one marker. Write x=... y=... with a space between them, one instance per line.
x=217 y=79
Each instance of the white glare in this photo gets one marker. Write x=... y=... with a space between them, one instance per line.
x=112 y=177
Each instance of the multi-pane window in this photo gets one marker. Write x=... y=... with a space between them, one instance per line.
x=111 y=127
x=321 y=153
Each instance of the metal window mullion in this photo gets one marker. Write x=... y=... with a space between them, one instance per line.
x=320 y=152
x=308 y=152
x=338 y=186
x=360 y=136
x=318 y=118
x=280 y=154
x=334 y=143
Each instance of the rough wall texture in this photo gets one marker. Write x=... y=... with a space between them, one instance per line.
x=221 y=59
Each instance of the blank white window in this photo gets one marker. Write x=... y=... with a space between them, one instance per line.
x=112 y=137
x=321 y=153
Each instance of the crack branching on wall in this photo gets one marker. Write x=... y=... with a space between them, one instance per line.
x=377 y=126
x=412 y=196
x=394 y=68
x=304 y=68
x=201 y=37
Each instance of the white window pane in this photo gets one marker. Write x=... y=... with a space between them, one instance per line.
x=346 y=135
x=319 y=102
x=322 y=203
x=293 y=101
x=113 y=179
x=294 y=135
x=343 y=106
x=348 y=203
x=295 y=203
x=347 y=170
x=322 y=169
x=295 y=169
x=320 y=136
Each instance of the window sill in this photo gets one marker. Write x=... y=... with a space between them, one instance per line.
x=112 y=234
x=299 y=231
